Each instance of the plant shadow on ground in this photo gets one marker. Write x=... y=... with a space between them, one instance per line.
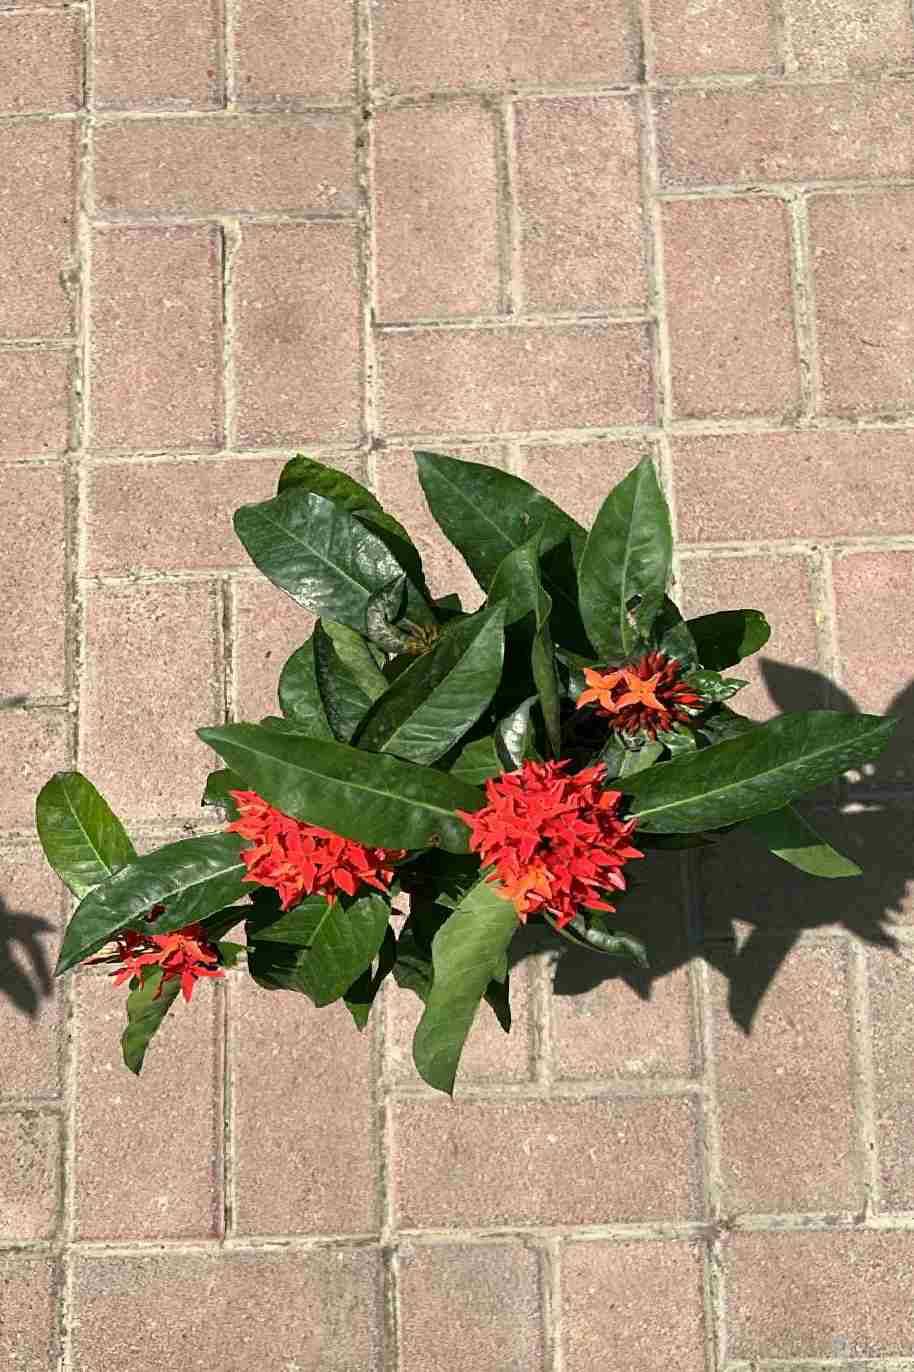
x=742 y=909
x=25 y=968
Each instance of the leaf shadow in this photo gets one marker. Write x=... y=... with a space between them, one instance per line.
x=25 y=968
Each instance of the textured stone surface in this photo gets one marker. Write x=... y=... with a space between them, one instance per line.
x=32 y=569
x=34 y=403
x=890 y=986
x=29 y=1175
x=714 y=36
x=289 y=55
x=28 y=1329
x=580 y=478
x=37 y=215
x=30 y=908
x=34 y=744
x=837 y=36
x=158 y=53
x=40 y=62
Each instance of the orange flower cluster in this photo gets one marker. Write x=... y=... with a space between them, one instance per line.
x=648 y=696
x=185 y=955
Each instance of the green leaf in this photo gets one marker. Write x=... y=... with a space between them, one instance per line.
x=711 y=686
x=468 y=951
x=672 y=636
x=330 y=482
x=756 y=773
x=82 y=838
x=440 y=696
x=147 y=1005
x=299 y=695
x=191 y=878
x=344 y=701
x=361 y=994
x=385 y=608
x=514 y=737
x=610 y=942
x=725 y=638
x=376 y=799
x=343 y=940
x=476 y=762
x=221 y=922
x=677 y=740
x=786 y=834
x=633 y=760
x=218 y=786
x=230 y=953
x=723 y=723
x=628 y=555
x=517 y=582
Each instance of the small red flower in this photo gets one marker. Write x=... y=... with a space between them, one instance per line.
x=650 y=695
x=298 y=859
x=184 y=955
x=555 y=842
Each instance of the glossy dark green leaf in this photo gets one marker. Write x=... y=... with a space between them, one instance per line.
x=476 y=762
x=82 y=838
x=222 y=922
x=321 y=479
x=672 y=636
x=711 y=686
x=218 y=786
x=361 y=995
x=267 y=922
x=628 y=554
x=725 y=638
x=723 y=723
x=632 y=760
x=468 y=951
x=299 y=696
x=756 y=773
x=230 y=954
x=786 y=834
x=678 y=740
x=372 y=797
x=515 y=737
x=517 y=583
x=147 y=1005
x=348 y=678
x=344 y=939
x=385 y=609
x=191 y=878
x=433 y=703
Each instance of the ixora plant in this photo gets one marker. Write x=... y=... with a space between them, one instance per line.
x=484 y=769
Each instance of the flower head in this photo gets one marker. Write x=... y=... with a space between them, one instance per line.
x=184 y=955
x=298 y=859
x=650 y=695
x=555 y=842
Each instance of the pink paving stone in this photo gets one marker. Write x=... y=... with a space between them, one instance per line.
x=157 y=317
x=789 y=1079
x=32 y=570
x=34 y=403
x=836 y=36
x=580 y=478
x=151 y=680
x=31 y=910
x=290 y=55
x=873 y=593
x=578 y=194
x=486 y=1297
x=608 y=1290
x=793 y=485
x=714 y=36
x=511 y=379
x=315 y=1311
x=437 y=212
x=300 y=1167
x=125 y=525
x=864 y=300
x=500 y=1162
x=729 y=303
x=781 y=589
x=29 y=1174
x=821 y=1295
x=28 y=1326
x=37 y=215
x=785 y=133
x=40 y=62
x=269 y=625
x=33 y=744
x=158 y=54
x=297 y=353
x=891 y=991
x=217 y=165
x=136 y=1177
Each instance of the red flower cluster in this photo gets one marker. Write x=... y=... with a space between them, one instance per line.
x=184 y=955
x=555 y=842
x=649 y=696
x=299 y=859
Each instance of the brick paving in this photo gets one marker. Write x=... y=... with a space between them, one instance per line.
x=553 y=237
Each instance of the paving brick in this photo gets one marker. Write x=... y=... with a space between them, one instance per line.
x=269 y=626
x=421 y=46
x=287 y=56
x=150 y=682
x=218 y=165
x=37 y=215
x=40 y=62
x=730 y=308
x=158 y=54
x=126 y=531
x=33 y=744
x=28 y=1334
x=501 y=1162
x=790 y=1079
x=891 y=986
x=875 y=625
x=318 y=1311
x=291 y=1177
x=472 y=380
x=580 y=478
x=157 y=315
x=847 y=35
x=607 y=1288
x=437 y=219
x=31 y=913
x=135 y=1178
x=489 y=1055
x=297 y=348
x=579 y=197
x=784 y=675
x=712 y=36
x=795 y=133
x=34 y=402
x=29 y=1180
x=488 y=1300
x=32 y=561
x=793 y=485
x=821 y=1295
x=864 y=294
